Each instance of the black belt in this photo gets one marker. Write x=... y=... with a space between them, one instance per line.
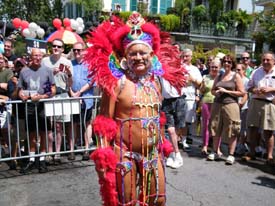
x=174 y=98
x=264 y=100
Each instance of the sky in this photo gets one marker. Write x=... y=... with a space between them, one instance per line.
x=247 y=5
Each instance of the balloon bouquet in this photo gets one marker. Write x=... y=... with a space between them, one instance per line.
x=32 y=30
x=76 y=25
x=28 y=30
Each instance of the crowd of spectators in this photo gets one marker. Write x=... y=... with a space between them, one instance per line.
x=226 y=101
x=24 y=126
x=229 y=94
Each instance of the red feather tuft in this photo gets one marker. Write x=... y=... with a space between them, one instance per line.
x=105 y=127
x=165 y=37
x=166 y=147
x=174 y=72
x=105 y=159
x=97 y=56
x=162 y=119
x=117 y=38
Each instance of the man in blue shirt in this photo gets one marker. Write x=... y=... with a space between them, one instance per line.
x=81 y=87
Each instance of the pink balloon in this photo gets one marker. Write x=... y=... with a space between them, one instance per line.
x=16 y=22
x=69 y=28
x=57 y=23
x=24 y=24
x=67 y=22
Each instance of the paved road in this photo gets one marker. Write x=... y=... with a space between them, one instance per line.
x=197 y=183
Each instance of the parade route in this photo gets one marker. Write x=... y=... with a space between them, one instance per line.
x=198 y=182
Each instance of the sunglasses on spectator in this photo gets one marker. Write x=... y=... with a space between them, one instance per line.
x=57 y=46
x=214 y=67
x=77 y=50
x=228 y=62
x=245 y=57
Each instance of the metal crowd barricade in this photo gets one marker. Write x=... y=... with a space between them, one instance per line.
x=15 y=137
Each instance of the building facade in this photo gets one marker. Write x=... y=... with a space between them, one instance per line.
x=153 y=6
x=72 y=10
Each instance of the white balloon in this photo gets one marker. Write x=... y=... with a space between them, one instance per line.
x=40 y=32
x=79 y=20
x=74 y=24
x=27 y=33
x=79 y=29
x=33 y=26
x=33 y=34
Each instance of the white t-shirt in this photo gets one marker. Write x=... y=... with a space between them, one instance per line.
x=168 y=91
x=190 y=89
x=60 y=78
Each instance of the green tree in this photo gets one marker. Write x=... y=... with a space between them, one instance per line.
x=169 y=22
x=215 y=10
x=90 y=6
x=183 y=8
x=199 y=14
x=267 y=24
x=243 y=20
x=221 y=27
x=31 y=10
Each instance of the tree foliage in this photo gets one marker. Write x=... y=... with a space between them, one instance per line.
x=90 y=6
x=31 y=10
x=199 y=14
x=169 y=22
x=267 y=24
x=215 y=10
x=183 y=9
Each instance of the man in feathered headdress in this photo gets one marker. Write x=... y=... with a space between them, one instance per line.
x=126 y=61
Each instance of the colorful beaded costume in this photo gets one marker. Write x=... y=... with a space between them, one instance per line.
x=131 y=147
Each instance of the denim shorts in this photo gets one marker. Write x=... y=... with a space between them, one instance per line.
x=175 y=111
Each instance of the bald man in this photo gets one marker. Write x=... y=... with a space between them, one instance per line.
x=36 y=83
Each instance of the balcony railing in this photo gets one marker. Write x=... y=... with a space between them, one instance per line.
x=212 y=31
x=263 y=2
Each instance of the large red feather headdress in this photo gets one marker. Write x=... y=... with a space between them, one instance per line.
x=110 y=41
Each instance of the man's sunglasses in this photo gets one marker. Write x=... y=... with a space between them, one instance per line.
x=57 y=46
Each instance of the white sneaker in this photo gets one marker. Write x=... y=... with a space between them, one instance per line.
x=214 y=156
x=178 y=162
x=186 y=146
x=170 y=159
x=211 y=156
x=230 y=160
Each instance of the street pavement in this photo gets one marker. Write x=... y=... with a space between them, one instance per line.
x=197 y=183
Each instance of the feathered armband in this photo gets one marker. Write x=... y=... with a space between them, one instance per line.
x=165 y=146
x=105 y=128
x=105 y=159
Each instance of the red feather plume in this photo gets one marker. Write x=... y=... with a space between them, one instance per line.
x=97 y=56
x=105 y=159
x=105 y=127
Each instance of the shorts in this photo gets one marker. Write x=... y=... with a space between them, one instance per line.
x=5 y=115
x=225 y=120
x=261 y=114
x=175 y=110
x=39 y=118
x=191 y=114
x=65 y=117
x=32 y=121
